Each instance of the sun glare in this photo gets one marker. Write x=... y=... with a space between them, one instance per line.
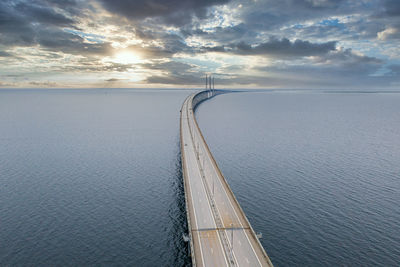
x=126 y=57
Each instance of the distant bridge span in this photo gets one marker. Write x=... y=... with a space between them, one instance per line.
x=220 y=234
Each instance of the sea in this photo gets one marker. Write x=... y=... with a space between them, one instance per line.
x=93 y=177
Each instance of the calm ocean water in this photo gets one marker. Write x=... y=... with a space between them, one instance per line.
x=318 y=173
x=92 y=177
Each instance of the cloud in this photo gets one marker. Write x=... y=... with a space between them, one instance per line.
x=185 y=79
x=175 y=12
x=262 y=15
x=168 y=45
x=336 y=69
x=223 y=35
x=113 y=80
x=389 y=33
x=95 y=66
x=47 y=84
x=392 y=8
x=14 y=27
x=254 y=43
x=56 y=40
x=277 y=48
x=395 y=70
x=6 y=84
x=5 y=54
x=32 y=23
x=71 y=7
x=346 y=57
x=42 y=14
x=22 y=22
x=173 y=72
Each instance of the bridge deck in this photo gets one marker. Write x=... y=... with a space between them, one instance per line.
x=220 y=233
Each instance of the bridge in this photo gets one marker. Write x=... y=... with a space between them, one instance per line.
x=219 y=232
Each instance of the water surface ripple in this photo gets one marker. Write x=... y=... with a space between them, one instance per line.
x=91 y=177
x=318 y=173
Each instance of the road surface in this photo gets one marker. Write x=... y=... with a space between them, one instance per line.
x=220 y=234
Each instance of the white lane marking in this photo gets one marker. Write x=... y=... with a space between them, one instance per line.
x=233 y=250
x=195 y=218
x=210 y=212
x=226 y=232
x=226 y=195
x=229 y=200
x=203 y=187
x=194 y=208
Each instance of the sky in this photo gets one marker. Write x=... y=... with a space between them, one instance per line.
x=309 y=44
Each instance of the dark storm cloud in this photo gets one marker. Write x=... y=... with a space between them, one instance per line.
x=44 y=23
x=175 y=73
x=14 y=27
x=170 y=45
x=392 y=8
x=239 y=32
x=175 y=12
x=21 y=21
x=53 y=27
x=90 y=65
x=181 y=79
x=395 y=70
x=70 y=7
x=43 y=84
x=61 y=41
x=64 y=4
x=356 y=20
x=263 y=15
x=113 y=80
x=42 y=14
x=368 y=18
x=339 y=63
x=5 y=54
x=277 y=48
x=346 y=57
x=38 y=23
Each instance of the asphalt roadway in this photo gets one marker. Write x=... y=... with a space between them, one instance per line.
x=220 y=234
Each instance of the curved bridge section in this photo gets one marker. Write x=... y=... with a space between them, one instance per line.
x=220 y=234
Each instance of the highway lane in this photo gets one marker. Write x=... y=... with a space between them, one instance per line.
x=221 y=234
x=208 y=247
x=243 y=250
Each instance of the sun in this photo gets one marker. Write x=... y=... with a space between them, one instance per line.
x=126 y=57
